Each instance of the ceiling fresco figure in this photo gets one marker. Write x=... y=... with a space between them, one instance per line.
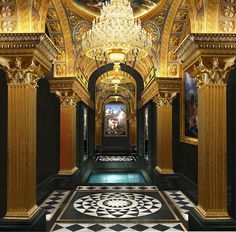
x=139 y=6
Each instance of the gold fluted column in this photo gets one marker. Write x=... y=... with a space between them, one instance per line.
x=164 y=133
x=21 y=172
x=69 y=91
x=24 y=57
x=98 y=132
x=212 y=176
x=209 y=58
x=67 y=140
x=162 y=90
x=68 y=100
x=21 y=158
x=133 y=132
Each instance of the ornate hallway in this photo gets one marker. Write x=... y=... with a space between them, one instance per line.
x=117 y=115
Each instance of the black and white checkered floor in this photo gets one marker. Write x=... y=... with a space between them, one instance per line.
x=104 y=227
x=117 y=208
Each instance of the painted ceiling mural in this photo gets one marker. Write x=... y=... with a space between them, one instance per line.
x=140 y=7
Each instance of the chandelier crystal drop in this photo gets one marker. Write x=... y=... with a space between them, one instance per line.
x=116 y=36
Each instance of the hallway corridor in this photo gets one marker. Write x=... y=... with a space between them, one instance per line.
x=117 y=207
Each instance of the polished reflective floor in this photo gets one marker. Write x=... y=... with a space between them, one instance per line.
x=116 y=178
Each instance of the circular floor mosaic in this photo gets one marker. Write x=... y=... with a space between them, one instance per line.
x=117 y=205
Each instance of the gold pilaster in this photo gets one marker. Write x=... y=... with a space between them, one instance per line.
x=21 y=160
x=68 y=90
x=164 y=140
x=212 y=176
x=67 y=140
x=24 y=58
x=162 y=91
x=209 y=58
x=164 y=132
x=98 y=132
x=133 y=133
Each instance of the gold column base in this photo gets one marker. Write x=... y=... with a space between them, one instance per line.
x=217 y=215
x=22 y=215
x=164 y=171
x=67 y=172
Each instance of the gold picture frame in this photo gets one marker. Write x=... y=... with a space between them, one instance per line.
x=183 y=137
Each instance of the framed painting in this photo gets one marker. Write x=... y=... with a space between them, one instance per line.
x=189 y=110
x=115 y=120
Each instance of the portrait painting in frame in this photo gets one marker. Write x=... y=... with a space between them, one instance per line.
x=115 y=120
x=189 y=110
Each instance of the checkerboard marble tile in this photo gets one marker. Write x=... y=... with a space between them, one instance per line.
x=116 y=158
x=182 y=203
x=53 y=202
x=118 y=188
x=82 y=227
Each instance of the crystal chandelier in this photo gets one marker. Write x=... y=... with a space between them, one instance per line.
x=116 y=36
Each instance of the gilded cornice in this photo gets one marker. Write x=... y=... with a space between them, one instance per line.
x=36 y=45
x=72 y=87
x=160 y=86
x=196 y=45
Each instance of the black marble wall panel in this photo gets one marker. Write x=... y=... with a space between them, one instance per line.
x=48 y=132
x=231 y=142
x=185 y=156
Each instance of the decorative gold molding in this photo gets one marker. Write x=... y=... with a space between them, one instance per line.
x=162 y=87
x=28 y=46
x=198 y=45
x=70 y=90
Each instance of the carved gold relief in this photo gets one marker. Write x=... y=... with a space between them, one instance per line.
x=227 y=26
x=172 y=70
x=171 y=55
x=7 y=11
x=177 y=27
x=228 y=11
x=58 y=40
x=60 y=70
x=181 y=15
x=174 y=40
x=8 y=26
x=55 y=26
x=61 y=56
x=52 y=14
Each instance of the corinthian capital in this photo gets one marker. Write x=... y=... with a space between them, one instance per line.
x=164 y=99
x=17 y=74
x=67 y=98
x=217 y=73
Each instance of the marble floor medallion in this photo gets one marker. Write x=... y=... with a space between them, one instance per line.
x=117 y=205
